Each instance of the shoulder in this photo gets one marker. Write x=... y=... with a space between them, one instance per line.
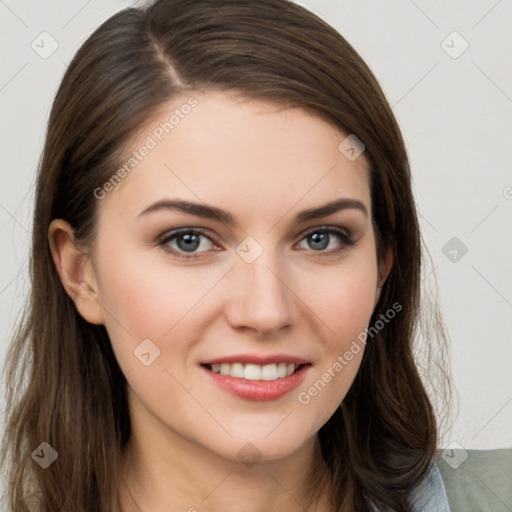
x=430 y=495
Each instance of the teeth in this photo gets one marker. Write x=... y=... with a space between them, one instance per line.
x=269 y=372
x=255 y=371
x=252 y=372
x=237 y=370
x=281 y=370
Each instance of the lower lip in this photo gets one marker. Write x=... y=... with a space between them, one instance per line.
x=259 y=390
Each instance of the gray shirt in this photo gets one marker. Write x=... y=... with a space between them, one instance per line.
x=430 y=495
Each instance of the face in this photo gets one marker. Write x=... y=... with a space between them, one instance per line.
x=230 y=327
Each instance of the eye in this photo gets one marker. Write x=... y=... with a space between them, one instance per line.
x=321 y=238
x=190 y=243
x=186 y=242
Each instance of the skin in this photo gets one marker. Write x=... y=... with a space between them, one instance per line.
x=264 y=164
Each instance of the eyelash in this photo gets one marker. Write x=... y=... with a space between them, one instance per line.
x=345 y=237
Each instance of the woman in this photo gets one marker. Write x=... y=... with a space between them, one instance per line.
x=225 y=277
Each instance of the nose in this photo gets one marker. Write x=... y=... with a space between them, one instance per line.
x=261 y=300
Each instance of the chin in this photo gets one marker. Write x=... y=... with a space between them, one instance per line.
x=257 y=446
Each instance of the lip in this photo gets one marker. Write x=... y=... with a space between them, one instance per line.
x=258 y=390
x=256 y=359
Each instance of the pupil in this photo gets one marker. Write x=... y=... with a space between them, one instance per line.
x=321 y=239
x=191 y=242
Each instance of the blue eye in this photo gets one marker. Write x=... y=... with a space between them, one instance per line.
x=321 y=238
x=185 y=243
x=190 y=243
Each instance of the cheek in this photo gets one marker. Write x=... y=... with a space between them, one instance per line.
x=344 y=302
x=347 y=305
x=343 y=297
x=147 y=301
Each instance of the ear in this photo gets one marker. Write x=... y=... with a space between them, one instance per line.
x=384 y=269
x=75 y=271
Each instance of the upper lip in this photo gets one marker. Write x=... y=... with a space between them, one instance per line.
x=257 y=359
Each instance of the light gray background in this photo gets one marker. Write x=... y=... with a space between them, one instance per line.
x=455 y=112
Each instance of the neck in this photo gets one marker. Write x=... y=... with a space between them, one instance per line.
x=180 y=475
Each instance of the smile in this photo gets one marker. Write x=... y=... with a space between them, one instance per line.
x=250 y=371
x=257 y=378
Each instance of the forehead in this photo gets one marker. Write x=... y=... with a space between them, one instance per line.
x=243 y=153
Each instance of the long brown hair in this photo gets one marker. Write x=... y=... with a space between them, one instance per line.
x=64 y=386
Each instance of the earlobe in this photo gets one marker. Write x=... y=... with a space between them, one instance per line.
x=75 y=271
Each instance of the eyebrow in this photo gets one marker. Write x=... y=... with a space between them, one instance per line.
x=212 y=212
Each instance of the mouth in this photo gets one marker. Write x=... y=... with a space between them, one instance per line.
x=251 y=371
x=257 y=379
